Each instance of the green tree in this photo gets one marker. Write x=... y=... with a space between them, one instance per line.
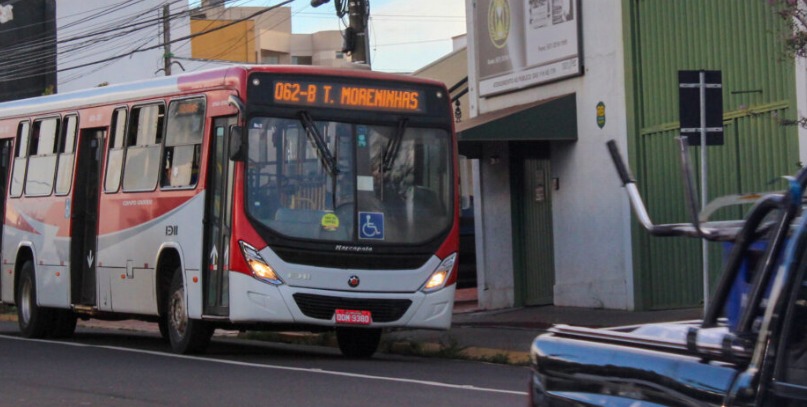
x=794 y=12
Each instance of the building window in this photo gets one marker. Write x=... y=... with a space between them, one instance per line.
x=183 y=143
x=340 y=55
x=67 y=142
x=141 y=167
x=270 y=59
x=302 y=60
x=20 y=159
x=42 y=157
x=114 y=161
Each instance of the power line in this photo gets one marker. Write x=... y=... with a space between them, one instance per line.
x=391 y=44
x=22 y=57
x=111 y=29
x=5 y=77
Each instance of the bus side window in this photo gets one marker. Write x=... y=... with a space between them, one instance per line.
x=114 y=161
x=42 y=157
x=142 y=162
x=20 y=159
x=67 y=141
x=183 y=141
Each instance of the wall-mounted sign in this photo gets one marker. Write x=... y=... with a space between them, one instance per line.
x=523 y=43
x=700 y=106
x=601 y=115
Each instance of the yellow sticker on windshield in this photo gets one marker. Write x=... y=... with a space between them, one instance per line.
x=330 y=222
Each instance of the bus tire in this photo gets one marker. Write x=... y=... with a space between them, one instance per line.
x=185 y=334
x=162 y=324
x=32 y=319
x=358 y=343
x=63 y=325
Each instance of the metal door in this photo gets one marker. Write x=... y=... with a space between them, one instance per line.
x=5 y=165
x=533 y=232
x=84 y=217
x=218 y=217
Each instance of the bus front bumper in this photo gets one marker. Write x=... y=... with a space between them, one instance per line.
x=253 y=301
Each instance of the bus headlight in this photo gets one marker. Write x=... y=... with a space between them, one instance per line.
x=259 y=267
x=441 y=274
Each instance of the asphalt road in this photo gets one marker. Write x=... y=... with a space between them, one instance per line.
x=115 y=368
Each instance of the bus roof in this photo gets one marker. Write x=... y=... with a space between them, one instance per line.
x=222 y=78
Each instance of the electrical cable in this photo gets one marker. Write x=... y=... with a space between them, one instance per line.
x=110 y=27
x=4 y=77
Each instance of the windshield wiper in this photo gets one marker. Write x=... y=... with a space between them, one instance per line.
x=328 y=160
x=394 y=145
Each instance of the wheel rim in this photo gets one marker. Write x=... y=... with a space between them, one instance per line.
x=179 y=319
x=26 y=299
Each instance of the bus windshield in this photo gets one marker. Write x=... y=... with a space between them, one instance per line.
x=349 y=182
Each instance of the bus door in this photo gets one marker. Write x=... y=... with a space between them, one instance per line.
x=218 y=216
x=5 y=163
x=84 y=217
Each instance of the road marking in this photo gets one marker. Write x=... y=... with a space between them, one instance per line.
x=278 y=367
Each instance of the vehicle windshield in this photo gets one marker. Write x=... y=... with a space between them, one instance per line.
x=349 y=182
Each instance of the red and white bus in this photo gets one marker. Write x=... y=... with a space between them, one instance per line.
x=252 y=197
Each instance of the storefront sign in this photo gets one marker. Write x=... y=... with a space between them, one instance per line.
x=522 y=43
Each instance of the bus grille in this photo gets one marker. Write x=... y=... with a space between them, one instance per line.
x=323 y=307
x=353 y=260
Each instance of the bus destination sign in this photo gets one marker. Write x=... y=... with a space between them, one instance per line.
x=348 y=96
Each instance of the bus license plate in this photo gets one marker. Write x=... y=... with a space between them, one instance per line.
x=353 y=317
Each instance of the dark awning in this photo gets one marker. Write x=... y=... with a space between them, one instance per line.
x=552 y=119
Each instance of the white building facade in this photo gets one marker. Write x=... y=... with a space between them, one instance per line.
x=550 y=82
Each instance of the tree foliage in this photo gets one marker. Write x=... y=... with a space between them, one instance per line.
x=794 y=12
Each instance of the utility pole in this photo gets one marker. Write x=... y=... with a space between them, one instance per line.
x=358 y=15
x=166 y=40
x=357 y=42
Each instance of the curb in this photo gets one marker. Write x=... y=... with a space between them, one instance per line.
x=431 y=349
x=396 y=347
x=412 y=348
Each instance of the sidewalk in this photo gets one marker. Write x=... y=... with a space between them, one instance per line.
x=510 y=332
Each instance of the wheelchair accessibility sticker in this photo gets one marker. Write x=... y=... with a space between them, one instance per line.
x=371 y=225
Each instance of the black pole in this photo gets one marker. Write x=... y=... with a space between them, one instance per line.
x=358 y=14
x=167 y=40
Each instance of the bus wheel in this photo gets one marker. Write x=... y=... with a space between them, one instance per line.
x=32 y=319
x=186 y=335
x=64 y=324
x=358 y=343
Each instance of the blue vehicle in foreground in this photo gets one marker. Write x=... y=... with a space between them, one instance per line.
x=759 y=359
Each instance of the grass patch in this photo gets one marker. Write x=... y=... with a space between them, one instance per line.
x=447 y=348
x=301 y=338
x=450 y=349
x=499 y=358
x=8 y=309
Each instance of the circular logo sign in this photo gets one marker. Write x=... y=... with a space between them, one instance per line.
x=329 y=222
x=499 y=22
x=353 y=281
x=601 y=114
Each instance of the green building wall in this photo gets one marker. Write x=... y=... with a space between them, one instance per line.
x=744 y=40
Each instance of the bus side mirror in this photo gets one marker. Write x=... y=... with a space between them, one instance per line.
x=238 y=145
